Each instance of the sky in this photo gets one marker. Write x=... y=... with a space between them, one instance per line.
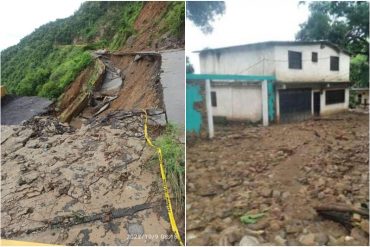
x=246 y=22
x=20 y=18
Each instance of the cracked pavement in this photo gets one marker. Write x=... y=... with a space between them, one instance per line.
x=95 y=185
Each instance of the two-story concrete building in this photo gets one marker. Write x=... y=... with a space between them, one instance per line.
x=312 y=78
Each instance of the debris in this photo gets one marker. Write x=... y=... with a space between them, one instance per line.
x=249 y=241
x=102 y=109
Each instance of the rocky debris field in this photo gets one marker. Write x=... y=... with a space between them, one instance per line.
x=96 y=185
x=279 y=174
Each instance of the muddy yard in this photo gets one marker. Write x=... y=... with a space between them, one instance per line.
x=282 y=171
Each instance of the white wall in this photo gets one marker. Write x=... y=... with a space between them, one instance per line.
x=242 y=102
x=273 y=60
x=333 y=108
x=311 y=71
x=239 y=60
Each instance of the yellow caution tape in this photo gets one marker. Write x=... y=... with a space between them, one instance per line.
x=5 y=242
x=164 y=181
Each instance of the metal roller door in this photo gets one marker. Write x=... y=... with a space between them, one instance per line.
x=295 y=104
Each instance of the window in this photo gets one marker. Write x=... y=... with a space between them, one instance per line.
x=295 y=60
x=314 y=57
x=334 y=63
x=334 y=97
x=213 y=99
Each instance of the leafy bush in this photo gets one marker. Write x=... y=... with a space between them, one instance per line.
x=65 y=73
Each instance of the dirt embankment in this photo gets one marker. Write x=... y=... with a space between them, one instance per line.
x=148 y=29
x=283 y=171
x=141 y=88
x=90 y=186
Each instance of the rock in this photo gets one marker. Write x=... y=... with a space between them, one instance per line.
x=275 y=225
x=248 y=241
x=364 y=225
x=321 y=238
x=276 y=194
x=348 y=238
x=135 y=229
x=292 y=242
x=293 y=228
x=279 y=240
x=227 y=220
x=285 y=195
x=266 y=192
x=356 y=217
x=229 y=236
x=359 y=235
x=308 y=239
x=137 y=58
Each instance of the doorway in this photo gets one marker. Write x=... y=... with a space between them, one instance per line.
x=316 y=103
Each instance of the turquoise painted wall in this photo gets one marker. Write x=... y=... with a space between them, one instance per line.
x=271 y=100
x=193 y=117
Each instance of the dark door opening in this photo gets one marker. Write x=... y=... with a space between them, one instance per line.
x=316 y=103
x=295 y=104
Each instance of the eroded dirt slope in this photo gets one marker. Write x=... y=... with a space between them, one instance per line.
x=89 y=186
x=283 y=171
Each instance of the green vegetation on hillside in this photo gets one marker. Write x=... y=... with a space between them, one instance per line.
x=174 y=20
x=45 y=62
x=50 y=58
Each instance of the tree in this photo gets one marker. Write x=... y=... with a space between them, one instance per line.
x=189 y=66
x=203 y=13
x=345 y=24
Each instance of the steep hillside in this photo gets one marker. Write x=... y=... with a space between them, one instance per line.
x=45 y=62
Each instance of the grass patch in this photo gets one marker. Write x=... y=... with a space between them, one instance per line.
x=174 y=161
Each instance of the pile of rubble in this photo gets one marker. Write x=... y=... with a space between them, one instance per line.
x=286 y=173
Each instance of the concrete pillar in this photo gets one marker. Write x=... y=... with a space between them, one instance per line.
x=209 y=109
x=265 y=108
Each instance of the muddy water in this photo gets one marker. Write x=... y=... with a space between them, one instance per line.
x=173 y=83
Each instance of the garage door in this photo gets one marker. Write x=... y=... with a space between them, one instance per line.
x=295 y=104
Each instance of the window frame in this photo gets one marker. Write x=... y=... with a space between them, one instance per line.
x=292 y=63
x=334 y=59
x=213 y=99
x=314 y=57
x=337 y=96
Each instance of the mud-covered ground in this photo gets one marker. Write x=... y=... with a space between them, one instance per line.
x=283 y=171
x=97 y=185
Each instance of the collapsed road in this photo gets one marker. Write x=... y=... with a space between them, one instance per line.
x=286 y=180
x=94 y=181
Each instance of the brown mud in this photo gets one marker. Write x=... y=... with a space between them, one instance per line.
x=96 y=185
x=283 y=171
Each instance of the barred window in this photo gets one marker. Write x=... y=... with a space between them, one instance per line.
x=335 y=96
x=314 y=57
x=334 y=63
x=295 y=60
